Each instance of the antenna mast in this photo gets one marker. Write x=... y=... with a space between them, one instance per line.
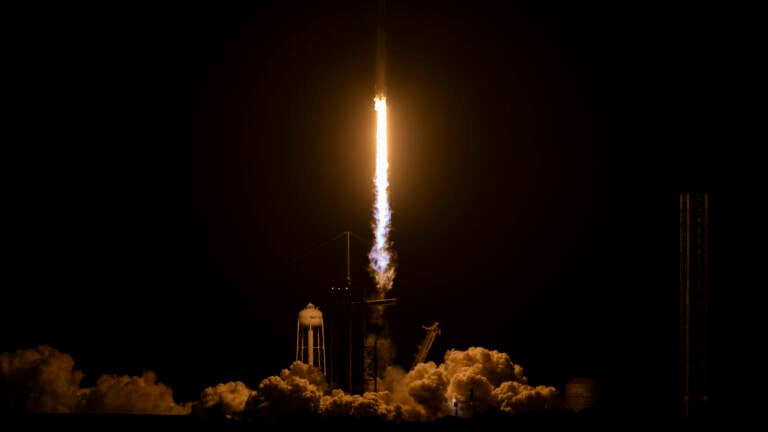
x=349 y=277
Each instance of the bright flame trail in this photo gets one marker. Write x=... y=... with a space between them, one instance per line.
x=381 y=265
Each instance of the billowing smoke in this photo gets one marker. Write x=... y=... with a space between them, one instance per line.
x=44 y=380
x=467 y=382
x=39 y=380
x=228 y=398
x=131 y=395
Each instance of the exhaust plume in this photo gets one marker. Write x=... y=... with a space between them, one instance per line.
x=381 y=259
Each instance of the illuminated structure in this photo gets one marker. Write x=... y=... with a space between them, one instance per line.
x=374 y=326
x=432 y=332
x=310 y=337
x=346 y=329
x=353 y=335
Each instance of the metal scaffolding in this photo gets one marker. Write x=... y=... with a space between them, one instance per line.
x=694 y=354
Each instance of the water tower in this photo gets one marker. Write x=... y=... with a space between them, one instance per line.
x=310 y=337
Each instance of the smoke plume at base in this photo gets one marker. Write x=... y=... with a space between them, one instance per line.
x=467 y=382
x=44 y=380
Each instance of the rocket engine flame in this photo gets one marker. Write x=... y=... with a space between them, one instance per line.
x=381 y=265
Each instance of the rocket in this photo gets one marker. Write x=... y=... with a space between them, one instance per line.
x=381 y=53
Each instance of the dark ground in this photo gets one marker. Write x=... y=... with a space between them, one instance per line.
x=590 y=418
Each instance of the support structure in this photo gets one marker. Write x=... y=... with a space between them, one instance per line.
x=344 y=317
x=432 y=332
x=354 y=333
x=694 y=350
x=375 y=328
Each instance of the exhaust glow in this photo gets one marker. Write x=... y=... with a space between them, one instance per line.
x=380 y=257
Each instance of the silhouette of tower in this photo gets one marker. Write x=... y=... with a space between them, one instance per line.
x=694 y=350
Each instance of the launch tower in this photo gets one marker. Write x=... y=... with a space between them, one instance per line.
x=694 y=355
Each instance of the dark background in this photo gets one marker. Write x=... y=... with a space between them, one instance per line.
x=176 y=180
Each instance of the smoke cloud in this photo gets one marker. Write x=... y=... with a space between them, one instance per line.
x=229 y=398
x=44 y=380
x=467 y=382
x=39 y=380
x=131 y=395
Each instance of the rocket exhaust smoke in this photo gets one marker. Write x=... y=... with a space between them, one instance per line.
x=44 y=380
x=378 y=349
x=381 y=257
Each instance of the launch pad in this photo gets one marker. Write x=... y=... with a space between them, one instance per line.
x=354 y=326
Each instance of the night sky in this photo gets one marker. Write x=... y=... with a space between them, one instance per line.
x=177 y=180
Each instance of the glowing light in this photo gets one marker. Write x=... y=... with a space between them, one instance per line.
x=380 y=256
